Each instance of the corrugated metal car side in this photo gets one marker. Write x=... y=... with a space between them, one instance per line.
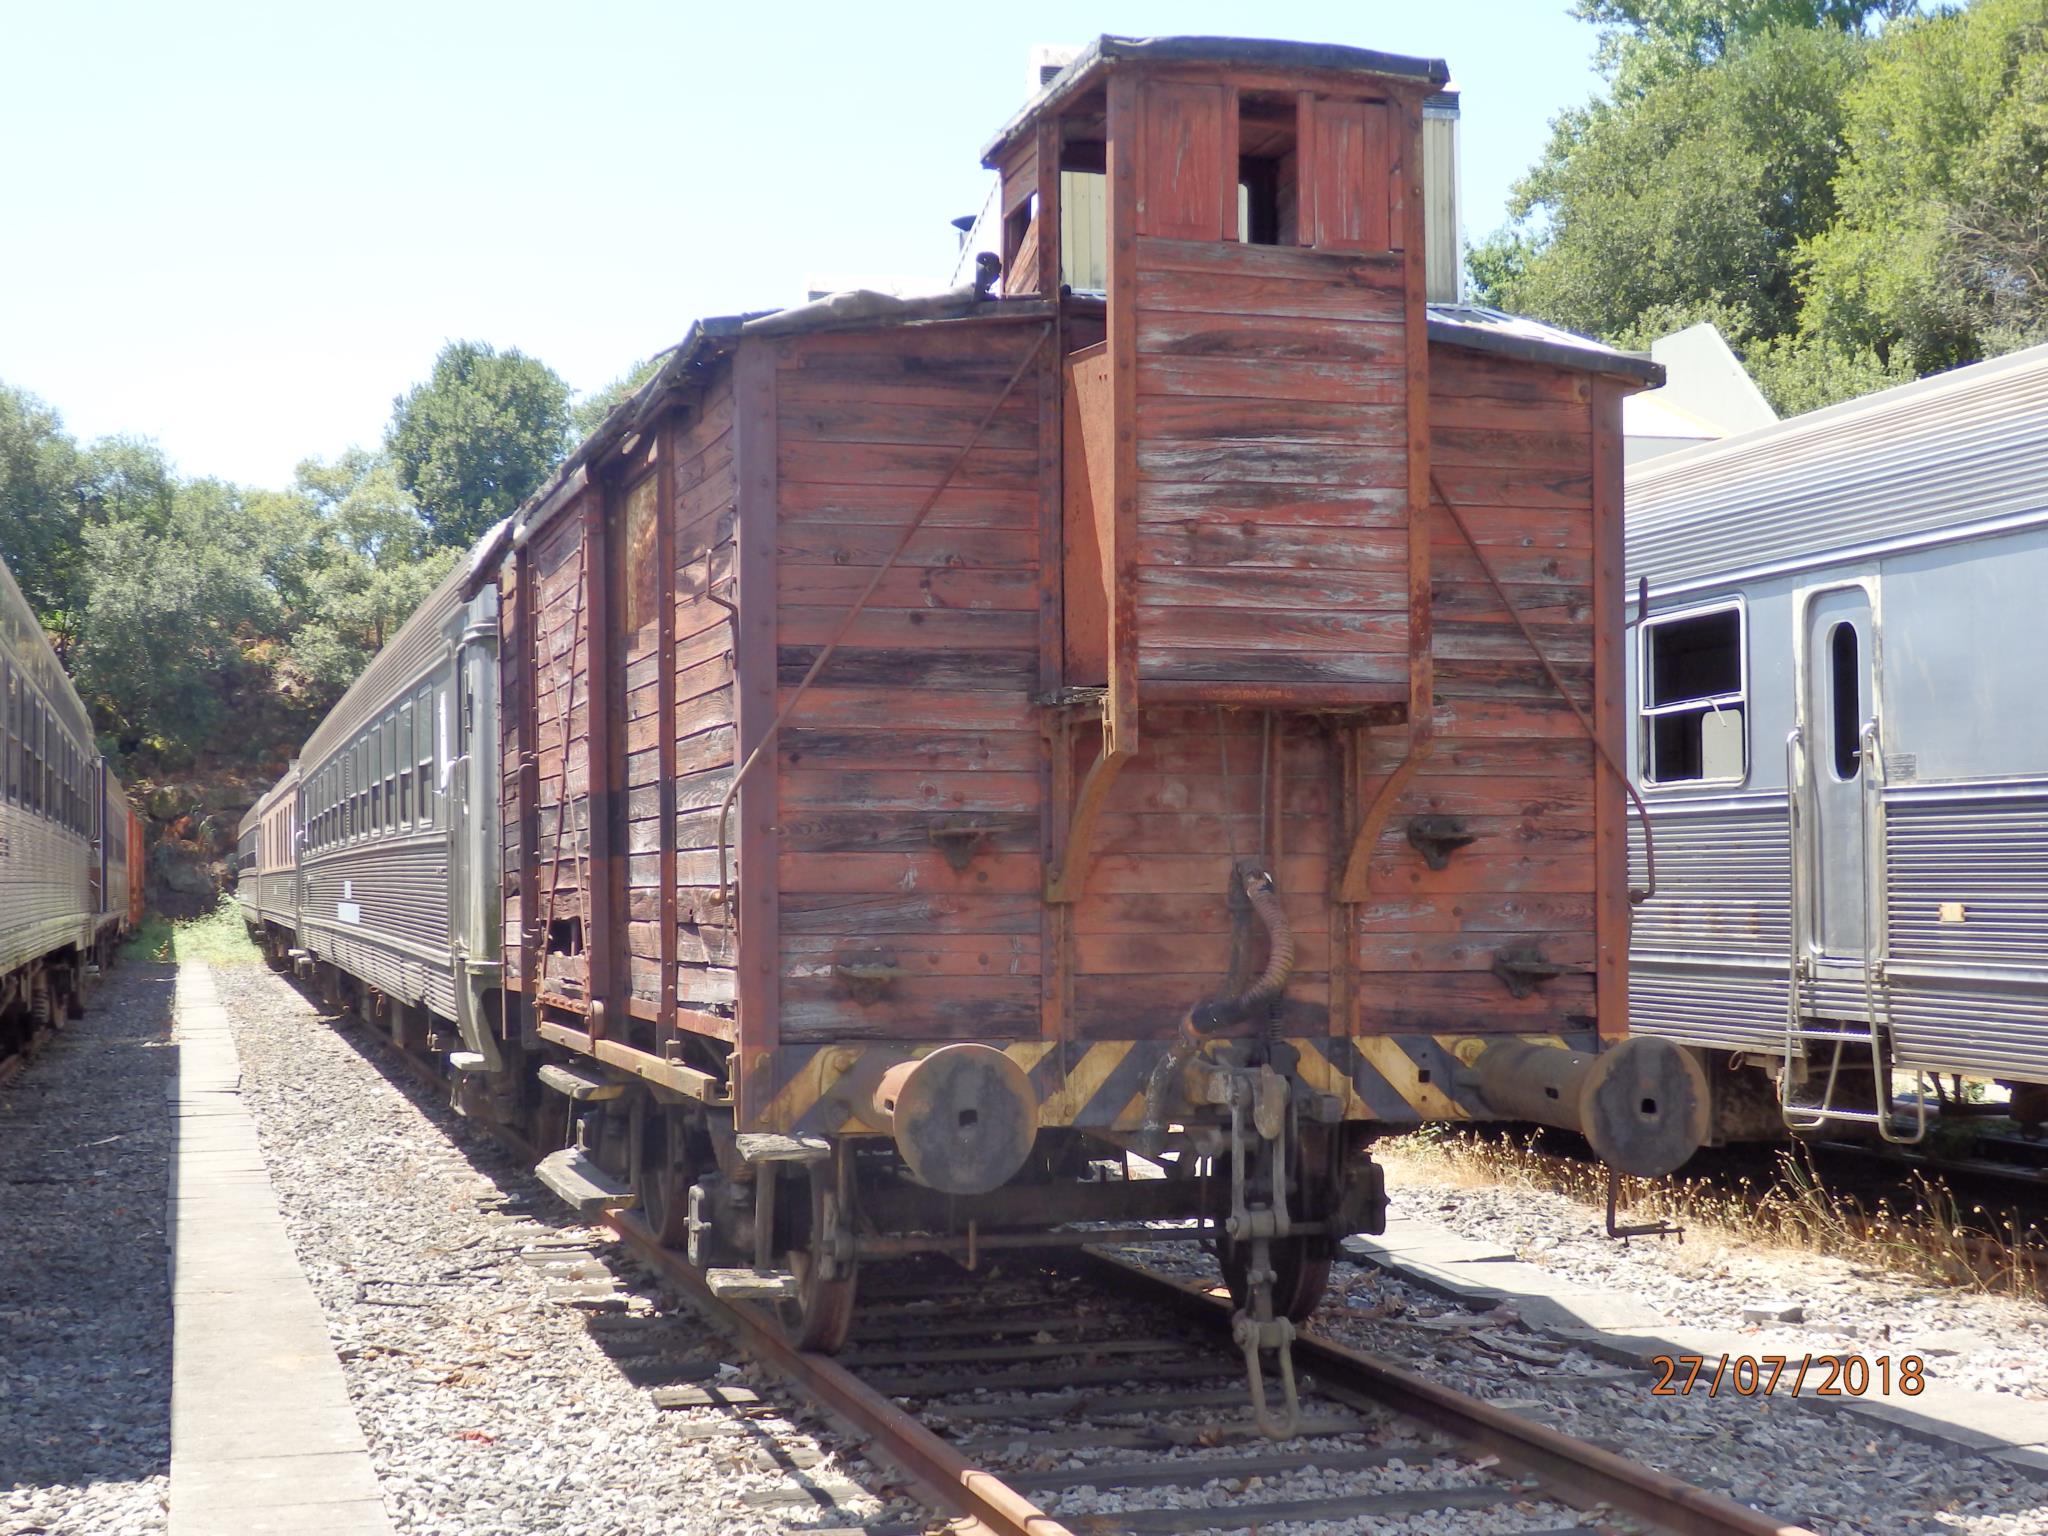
x=1707 y=952
x=48 y=900
x=1930 y=457
x=400 y=945
x=1967 y=914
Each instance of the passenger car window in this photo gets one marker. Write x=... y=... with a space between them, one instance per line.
x=1693 y=703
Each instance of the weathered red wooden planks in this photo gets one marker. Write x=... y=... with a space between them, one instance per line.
x=1181 y=609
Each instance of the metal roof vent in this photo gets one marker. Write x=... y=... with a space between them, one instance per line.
x=1441 y=233
x=1047 y=60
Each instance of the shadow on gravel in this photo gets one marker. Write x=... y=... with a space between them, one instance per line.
x=85 y=1296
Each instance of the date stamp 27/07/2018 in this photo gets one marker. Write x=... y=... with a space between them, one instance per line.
x=1789 y=1375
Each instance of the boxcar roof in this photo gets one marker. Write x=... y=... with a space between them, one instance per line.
x=1223 y=52
x=1495 y=330
x=710 y=339
x=1964 y=450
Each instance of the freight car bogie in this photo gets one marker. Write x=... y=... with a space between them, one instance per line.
x=38 y=997
x=789 y=1218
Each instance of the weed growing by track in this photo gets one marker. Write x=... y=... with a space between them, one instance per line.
x=218 y=938
x=1925 y=1230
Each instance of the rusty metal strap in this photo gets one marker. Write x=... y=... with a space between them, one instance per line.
x=1649 y=888
x=817 y=665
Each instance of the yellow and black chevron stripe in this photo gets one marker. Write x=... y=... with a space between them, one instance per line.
x=1100 y=1084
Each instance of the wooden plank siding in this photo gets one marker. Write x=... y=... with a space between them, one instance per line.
x=1512 y=443
x=1184 y=606
x=698 y=734
x=560 y=715
x=1271 y=422
x=921 y=727
x=1152 y=935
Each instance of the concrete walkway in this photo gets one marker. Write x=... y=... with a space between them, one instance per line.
x=263 y=1437
x=1622 y=1328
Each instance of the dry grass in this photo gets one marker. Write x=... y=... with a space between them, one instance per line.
x=1922 y=1230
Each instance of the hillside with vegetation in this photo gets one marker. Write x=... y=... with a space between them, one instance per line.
x=209 y=626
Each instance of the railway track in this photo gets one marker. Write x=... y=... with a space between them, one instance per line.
x=1016 y=1401
x=1085 y=1395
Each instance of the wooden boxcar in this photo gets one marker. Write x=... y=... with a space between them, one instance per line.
x=942 y=737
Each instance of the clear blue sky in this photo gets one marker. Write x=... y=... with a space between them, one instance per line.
x=242 y=229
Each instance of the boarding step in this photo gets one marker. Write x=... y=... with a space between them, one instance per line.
x=751 y=1284
x=466 y=1061
x=579 y=1083
x=580 y=1184
x=767 y=1147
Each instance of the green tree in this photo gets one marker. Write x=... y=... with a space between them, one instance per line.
x=1693 y=195
x=1939 y=255
x=479 y=437
x=128 y=479
x=1643 y=42
x=376 y=562
x=588 y=414
x=39 y=512
x=163 y=650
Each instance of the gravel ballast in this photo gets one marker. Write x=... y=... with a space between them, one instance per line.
x=85 y=1301
x=1807 y=1466
x=500 y=1356
x=1983 y=1342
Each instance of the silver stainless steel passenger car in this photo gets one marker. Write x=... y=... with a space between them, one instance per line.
x=65 y=879
x=1841 y=733
x=266 y=887
x=395 y=824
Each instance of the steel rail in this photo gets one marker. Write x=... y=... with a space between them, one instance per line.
x=1566 y=1467
x=1575 y=1469
x=943 y=1478
x=982 y=1503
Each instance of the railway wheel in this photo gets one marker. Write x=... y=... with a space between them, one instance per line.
x=1301 y=1269
x=1301 y=1265
x=664 y=1168
x=821 y=1317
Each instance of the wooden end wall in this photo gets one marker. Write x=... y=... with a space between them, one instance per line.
x=1514 y=445
x=1273 y=391
x=921 y=733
